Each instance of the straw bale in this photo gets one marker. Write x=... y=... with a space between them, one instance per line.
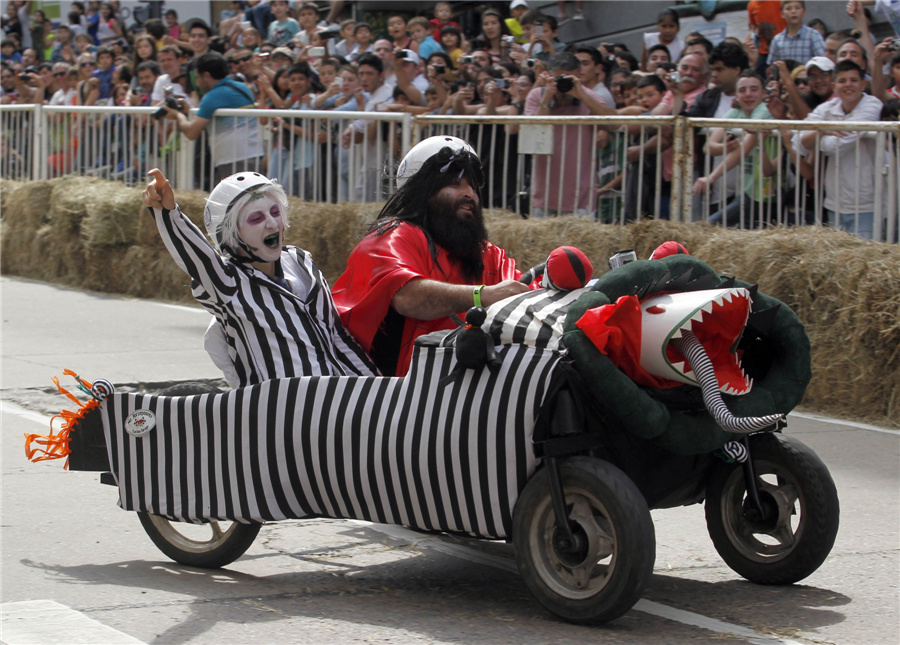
x=153 y=274
x=113 y=217
x=328 y=231
x=530 y=241
x=24 y=212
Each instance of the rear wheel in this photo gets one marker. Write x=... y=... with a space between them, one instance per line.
x=210 y=545
x=609 y=568
x=801 y=512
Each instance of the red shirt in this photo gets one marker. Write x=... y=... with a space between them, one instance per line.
x=381 y=264
x=761 y=11
x=438 y=25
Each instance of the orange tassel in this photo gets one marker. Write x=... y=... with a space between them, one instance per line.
x=56 y=444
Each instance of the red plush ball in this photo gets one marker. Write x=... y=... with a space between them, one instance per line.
x=567 y=269
x=668 y=248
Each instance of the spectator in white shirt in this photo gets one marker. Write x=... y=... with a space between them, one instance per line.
x=849 y=156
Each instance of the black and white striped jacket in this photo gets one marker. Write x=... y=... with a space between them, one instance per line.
x=272 y=332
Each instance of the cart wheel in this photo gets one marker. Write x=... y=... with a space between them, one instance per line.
x=615 y=543
x=803 y=513
x=210 y=545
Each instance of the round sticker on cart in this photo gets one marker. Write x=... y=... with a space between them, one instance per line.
x=140 y=422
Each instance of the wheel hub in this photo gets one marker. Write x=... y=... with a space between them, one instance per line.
x=765 y=518
x=571 y=555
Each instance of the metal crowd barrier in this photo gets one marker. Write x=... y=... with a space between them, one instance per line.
x=614 y=169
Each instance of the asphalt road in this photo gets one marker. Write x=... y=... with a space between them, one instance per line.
x=77 y=569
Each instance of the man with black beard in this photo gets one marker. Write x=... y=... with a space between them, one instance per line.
x=425 y=258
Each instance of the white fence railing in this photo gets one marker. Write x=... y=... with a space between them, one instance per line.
x=614 y=169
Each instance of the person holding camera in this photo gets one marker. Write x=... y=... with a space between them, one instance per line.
x=567 y=185
x=409 y=76
x=235 y=143
x=885 y=88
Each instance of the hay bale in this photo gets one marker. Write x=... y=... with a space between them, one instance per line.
x=24 y=212
x=114 y=218
x=153 y=274
x=328 y=231
x=530 y=241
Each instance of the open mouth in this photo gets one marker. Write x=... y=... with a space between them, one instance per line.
x=717 y=318
x=272 y=241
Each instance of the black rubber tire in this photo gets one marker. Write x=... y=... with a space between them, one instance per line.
x=221 y=548
x=620 y=542
x=223 y=545
x=805 y=513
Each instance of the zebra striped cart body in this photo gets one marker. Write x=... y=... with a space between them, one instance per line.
x=412 y=451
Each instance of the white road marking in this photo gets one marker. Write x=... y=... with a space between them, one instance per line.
x=646 y=606
x=8 y=407
x=180 y=307
x=48 y=622
x=852 y=424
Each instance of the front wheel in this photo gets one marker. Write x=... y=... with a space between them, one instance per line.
x=210 y=545
x=610 y=567
x=801 y=512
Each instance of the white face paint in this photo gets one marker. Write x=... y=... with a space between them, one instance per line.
x=261 y=227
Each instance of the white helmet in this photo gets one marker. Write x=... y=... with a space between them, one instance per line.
x=425 y=150
x=228 y=198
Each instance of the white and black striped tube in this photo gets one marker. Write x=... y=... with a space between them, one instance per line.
x=692 y=350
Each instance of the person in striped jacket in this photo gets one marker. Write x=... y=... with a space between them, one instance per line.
x=273 y=310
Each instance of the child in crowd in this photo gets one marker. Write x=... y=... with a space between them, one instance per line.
x=443 y=13
x=451 y=40
x=797 y=41
x=344 y=47
x=362 y=32
x=398 y=32
x=668 y=25
x=172 y=27
x=423 y=43
x=104 y=73
x=283 y=28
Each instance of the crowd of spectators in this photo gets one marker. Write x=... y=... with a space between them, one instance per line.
x=497 y=59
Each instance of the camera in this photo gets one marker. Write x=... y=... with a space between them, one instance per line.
x=401 y=53
x=528 y=63
x=170 y=102
x=564 y=84
x=246 y=24
x=339 y=81
x=24 y=78
x=314 y=52
x=466 y=60
x=500 y=83
x=622 y=258
x=539 y=30
x=440 y=69
x=674 y=77
x=509 y=40
x=894 y=46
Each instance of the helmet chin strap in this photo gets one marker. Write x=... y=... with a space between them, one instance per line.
x=249 y=257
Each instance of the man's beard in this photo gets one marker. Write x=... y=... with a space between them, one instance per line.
x=464 y=238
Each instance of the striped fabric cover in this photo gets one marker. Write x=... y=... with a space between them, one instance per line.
x=390 y=450
x=533 y=318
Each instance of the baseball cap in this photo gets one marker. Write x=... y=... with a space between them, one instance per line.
x=411 y=57
x=517 y=3
x=821 y=62
x=283 y=51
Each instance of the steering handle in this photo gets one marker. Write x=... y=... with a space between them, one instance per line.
x=533 y=273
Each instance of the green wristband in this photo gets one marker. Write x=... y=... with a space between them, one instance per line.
x=476 y=295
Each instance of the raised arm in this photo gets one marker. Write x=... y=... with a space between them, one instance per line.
x=211 y=279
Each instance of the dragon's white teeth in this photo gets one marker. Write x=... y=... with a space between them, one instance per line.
x=708 y=307
x=698 y=316
x=679 y=366
x=686 y=326
x=727 y=296
x=720 y=301
x=677 y=334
